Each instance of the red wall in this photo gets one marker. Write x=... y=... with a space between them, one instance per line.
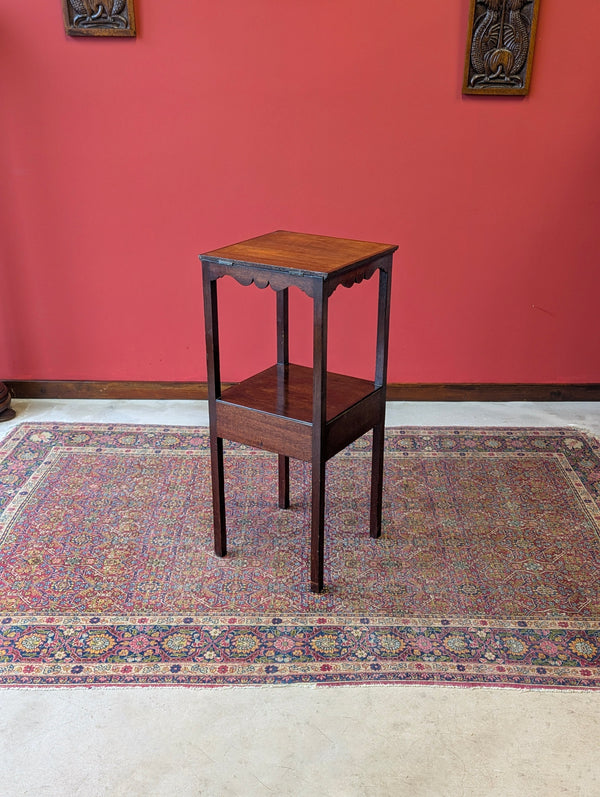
x=121 y=160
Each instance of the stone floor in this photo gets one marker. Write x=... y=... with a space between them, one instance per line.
x=301 y=740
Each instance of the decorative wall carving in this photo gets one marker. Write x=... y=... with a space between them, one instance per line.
x=500 y=46
x=99 y=17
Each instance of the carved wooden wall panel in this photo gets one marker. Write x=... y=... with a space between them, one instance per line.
x=99 y=17
x=500 y=46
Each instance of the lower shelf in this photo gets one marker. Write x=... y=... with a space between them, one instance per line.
x=273 y=410
x=287 y=390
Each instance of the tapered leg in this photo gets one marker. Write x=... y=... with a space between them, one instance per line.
x=317 y=541
x=377 y=479
x=284 y=482
x=211 y=321
x=283 y=358
x=383 y=324
x=318 y=439
x=218 y=491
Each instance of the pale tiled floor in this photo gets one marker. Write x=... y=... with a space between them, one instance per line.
x=301 y=740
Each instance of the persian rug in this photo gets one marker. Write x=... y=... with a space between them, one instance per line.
x=486 y=572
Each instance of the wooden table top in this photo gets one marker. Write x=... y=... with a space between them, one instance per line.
x=317 y=254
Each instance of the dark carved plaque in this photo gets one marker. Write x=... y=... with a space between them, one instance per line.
x=99 y=17
x=500 y=46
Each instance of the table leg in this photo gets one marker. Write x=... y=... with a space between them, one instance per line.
x=383 y=324
x=283 y=358
x=211 y=321
x=317 y=545
x=218 y=490
x=377 y=478
x=284 y=482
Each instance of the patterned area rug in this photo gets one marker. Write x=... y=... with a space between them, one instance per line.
x=486 y=573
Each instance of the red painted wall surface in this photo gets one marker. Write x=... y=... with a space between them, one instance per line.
x=121 y=160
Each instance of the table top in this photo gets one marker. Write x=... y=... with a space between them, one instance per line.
x=316 y=254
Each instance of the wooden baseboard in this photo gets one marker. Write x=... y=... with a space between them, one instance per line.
x=108 y=390
x=395 y=392
x=494 y=392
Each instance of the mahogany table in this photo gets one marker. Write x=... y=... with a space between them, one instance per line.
x=305 y=413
